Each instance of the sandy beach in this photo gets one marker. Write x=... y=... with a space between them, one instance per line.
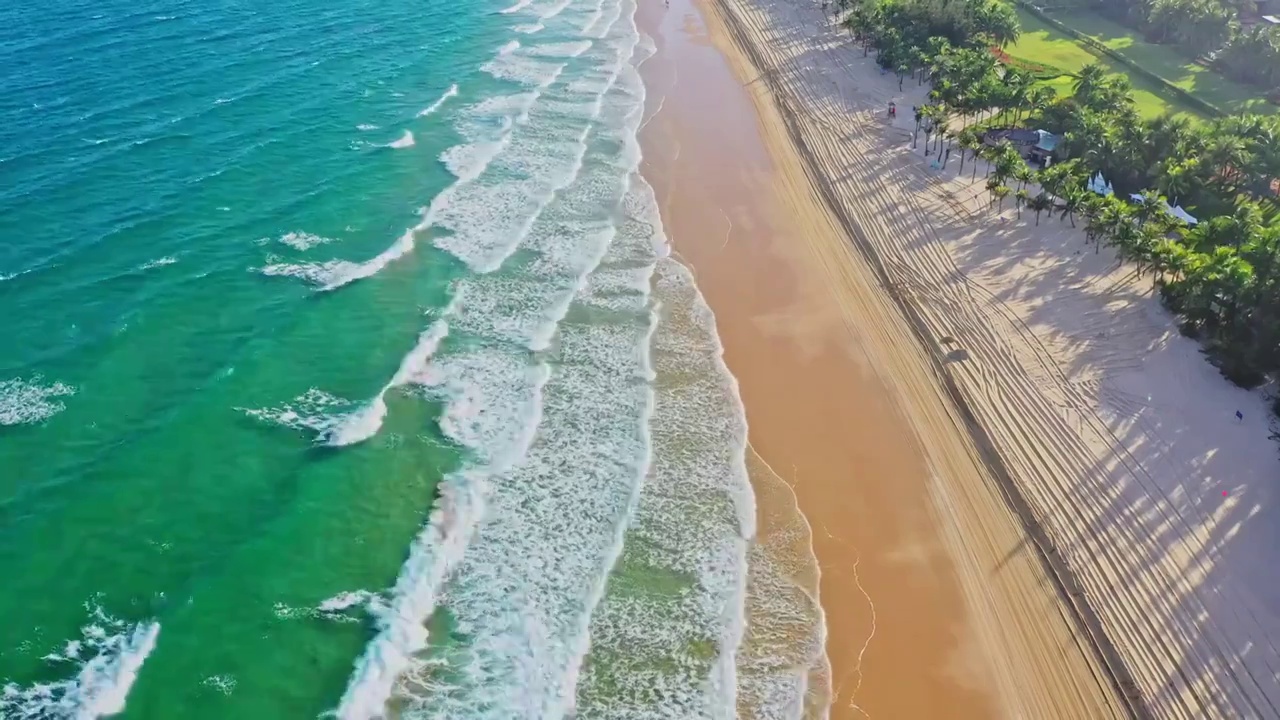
x=935 y=606
x=1028 y=494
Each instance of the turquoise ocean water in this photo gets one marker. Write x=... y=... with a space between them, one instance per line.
x=344 y=372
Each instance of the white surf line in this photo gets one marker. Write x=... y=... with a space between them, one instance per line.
x=520 y=5
x=404 y=141
x=103 y=682
x=430 y=109
x=555 y=10
x=433 y=556
x=339 y=273
x=816 y=595
x=335 y=274
x=570 y=687
x=364 y=423
x=661 y=101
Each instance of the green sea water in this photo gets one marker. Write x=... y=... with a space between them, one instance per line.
x=343 y=368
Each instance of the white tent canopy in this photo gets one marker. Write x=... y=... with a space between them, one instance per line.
x=1175 y=211
x=1099 y=185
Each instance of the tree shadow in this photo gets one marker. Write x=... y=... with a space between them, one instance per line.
x=1064 y=343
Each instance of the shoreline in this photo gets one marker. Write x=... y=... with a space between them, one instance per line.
x=1065 y=584
x=1144 y=503
x=912 y=628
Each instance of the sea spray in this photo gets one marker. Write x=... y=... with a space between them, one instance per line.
x=109 y=655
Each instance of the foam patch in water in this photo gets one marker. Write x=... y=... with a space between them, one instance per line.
x=30 y=401
x=303 y=241
x=158 y=262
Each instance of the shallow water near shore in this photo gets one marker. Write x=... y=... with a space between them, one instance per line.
x=351 y=370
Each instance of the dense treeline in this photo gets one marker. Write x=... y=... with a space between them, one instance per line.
x=1207 y=27
x=1221 y=276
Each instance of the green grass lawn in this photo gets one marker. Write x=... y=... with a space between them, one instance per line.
x=1165 y=61
x=1042 y=43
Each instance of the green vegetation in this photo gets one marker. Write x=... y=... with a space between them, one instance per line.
x=1166 y=62
x=1222 y=276
x=1042 y=43
x=1206 y=28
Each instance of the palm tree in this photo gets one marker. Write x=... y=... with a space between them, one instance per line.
x=1072 y=199
x=991 y=185
x=1001 y=192
x=1039 y=204
x=999 y=22
x=1021 y=198
x=1088 y=80
x=1176 y=178
x=969 y=141
x=1039 y=99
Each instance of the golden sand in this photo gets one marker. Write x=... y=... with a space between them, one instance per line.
x=935 y=605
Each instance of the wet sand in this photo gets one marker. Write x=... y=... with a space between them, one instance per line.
x=934 y=605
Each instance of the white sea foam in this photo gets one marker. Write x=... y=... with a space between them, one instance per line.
x=338 y=422
x=347 y=600
x=489 y=219
x=303 y=241
x=487 y=126
x=315 y=411
x=365 y=422
x=493 y=407
x=30 y=401
x=523 y=583
x=553 y=9
x=333 y=274
x=520 y=5
x=522 y=68
x=110 y=653
x=551 y=387
x=528 y=29
x=404 y=141
x=430 y=109
x=570 y=49
x=366 y=127
x=158 y=262
x=510 y=47
x=224 y=684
